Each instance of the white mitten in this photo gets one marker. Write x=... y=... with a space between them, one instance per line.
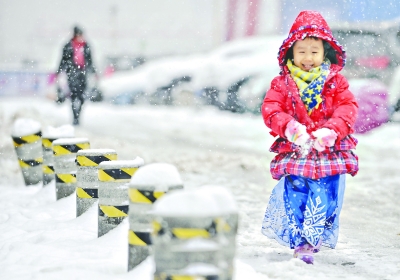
x=325 y=137
x=296 y=133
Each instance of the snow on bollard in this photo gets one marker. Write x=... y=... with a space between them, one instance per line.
x=49 y=135
x=114 y=177
x=227 y=225
x=87 y=182
x=148 y=184
x=26 y=135
x=64 y=152
x=189 y=229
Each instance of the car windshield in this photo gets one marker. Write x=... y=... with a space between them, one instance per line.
x=361 y=44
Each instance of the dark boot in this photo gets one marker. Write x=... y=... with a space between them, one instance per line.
x=75 y=121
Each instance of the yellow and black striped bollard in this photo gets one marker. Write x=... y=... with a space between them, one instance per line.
x=114 y=177
x=227 y=228
x=87 y=178
x=189 y=276
x=65 y=167
x=48 y=161
x=30 y=156
x=226 y=224
x=190 y=228
x=140 y=228
x=173 y=236
x=148 y=184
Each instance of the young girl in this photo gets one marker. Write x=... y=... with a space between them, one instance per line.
x=311 y=110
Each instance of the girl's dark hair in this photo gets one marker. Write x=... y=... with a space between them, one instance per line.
x=329 y=52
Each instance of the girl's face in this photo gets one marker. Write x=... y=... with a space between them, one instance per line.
x=308 y=53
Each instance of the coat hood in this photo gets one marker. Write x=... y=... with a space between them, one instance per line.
x=311 y=24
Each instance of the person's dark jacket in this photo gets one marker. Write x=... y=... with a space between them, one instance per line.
x=67 y=63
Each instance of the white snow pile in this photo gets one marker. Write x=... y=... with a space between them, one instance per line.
x=138 y=161
x=198 y=245
x=200 y=202
x=200 y=269
x=161 y=176
x=96 y=152
x=63 y=131
x=223 y=197
x=70 y=141
x=25 y=126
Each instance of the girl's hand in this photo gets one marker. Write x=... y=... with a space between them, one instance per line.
x=324 y=137
x=296 y=133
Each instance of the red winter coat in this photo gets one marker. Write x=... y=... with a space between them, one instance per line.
x=338 y=111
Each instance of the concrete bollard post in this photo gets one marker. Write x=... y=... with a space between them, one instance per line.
x=148 y=184
x=87 y=182
x=48 y=169
x=64 y=152
x=190 y=229
x=26 y=135
x=227 y=225
x=114 y=177
x=49 y=135
x=195 y=271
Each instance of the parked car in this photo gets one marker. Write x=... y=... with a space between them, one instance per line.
x=372 y=48
x=238 y=73
x=372 y=98
x=159 y=78
x=123 y=62
x=373 y=52
x=232 y=77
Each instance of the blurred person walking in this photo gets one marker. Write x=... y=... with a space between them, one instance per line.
x=312 y=111
x=76 y=62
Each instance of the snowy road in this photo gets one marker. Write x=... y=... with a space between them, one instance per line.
x=220 y=148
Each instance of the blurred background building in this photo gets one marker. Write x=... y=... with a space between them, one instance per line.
x=32 y=33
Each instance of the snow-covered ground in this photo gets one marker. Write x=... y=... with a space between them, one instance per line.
x=40 y=238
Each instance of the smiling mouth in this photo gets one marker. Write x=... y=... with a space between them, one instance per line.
x=307 y=67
